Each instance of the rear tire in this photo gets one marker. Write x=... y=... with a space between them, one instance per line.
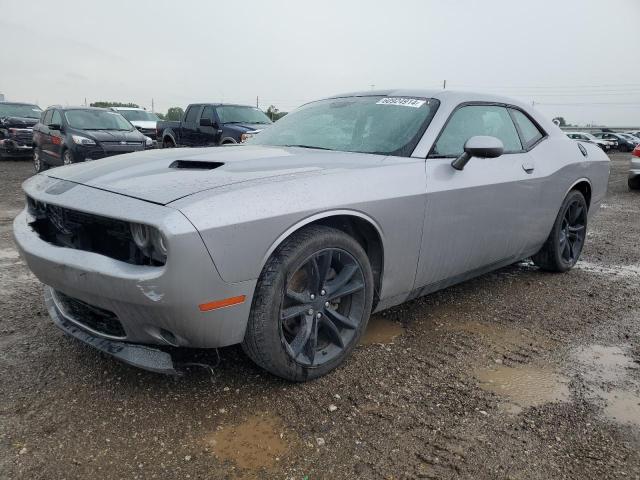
x=312 y=303
x=563 y=246
x=168 y=143
x=67 y=158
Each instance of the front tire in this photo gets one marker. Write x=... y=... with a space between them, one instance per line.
x=311 y=304
x=562 y=249
x=38 y=163
x=67 y=158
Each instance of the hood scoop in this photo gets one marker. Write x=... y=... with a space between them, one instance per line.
x=195 y=165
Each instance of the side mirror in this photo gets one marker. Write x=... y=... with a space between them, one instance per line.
x=54 y=126
x=206 y=122
x=481 y=147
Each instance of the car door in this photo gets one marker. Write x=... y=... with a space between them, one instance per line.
x=44 y=136
x=190 y=126
x=482 y=216
x=57 y=137
x=208 y=134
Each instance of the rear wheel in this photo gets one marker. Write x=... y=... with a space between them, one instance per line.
x=38 y=163
x=564 y=245
x=311 y=304
x=168 y=143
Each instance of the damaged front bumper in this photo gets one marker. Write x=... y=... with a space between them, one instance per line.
x=141 y=356
x=125 y=304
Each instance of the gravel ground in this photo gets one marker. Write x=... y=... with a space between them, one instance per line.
x=516 y=374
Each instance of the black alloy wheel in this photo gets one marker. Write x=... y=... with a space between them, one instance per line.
x=323 y=304
x=573 y=232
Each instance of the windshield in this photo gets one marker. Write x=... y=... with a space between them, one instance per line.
x=372 y=124
x=96 y=120
x=239 y=114
x=24 y=111
x=139 y=115
x=589 y=136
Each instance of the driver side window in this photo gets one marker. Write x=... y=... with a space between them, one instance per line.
x=472 y=120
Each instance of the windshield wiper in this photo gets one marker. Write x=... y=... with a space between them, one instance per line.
x=309 y=146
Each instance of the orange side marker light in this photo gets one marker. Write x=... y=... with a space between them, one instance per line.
x=216 y=304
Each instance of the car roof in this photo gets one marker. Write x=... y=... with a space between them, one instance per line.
x=19 y=103
x=128 y=108
x=67 y=108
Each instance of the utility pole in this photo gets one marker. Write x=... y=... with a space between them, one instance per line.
x=152 y=106
x=257 y=102
x=85 y=101
x=444 y=85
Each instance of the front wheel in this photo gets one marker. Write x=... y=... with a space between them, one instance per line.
x=564 y=244
x=67 y=158
x=311 y=304
x=38 y=164
x=168 y=143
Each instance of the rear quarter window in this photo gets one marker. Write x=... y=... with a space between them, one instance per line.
x=530 y=132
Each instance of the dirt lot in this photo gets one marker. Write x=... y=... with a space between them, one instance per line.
x=516 y=374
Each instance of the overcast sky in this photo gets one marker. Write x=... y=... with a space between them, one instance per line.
x=575 y=58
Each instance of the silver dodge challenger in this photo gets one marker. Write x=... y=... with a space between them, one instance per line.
x=286 y=244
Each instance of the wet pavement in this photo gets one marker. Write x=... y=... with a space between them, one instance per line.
x=517 y=374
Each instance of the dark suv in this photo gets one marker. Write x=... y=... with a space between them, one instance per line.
x=16 y=128
x=66 y=135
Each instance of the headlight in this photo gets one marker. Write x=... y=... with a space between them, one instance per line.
x=245 y=136
x=149 y=241
x=141 y=235
x=147 y=141
x=80 y=140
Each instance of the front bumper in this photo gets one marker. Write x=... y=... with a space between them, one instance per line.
x=141 y=356
x=156 y=305
x=11 y=148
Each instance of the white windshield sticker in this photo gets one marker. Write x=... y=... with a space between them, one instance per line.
x=405 y=102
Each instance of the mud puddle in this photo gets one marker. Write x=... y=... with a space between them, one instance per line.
x=524 y=386
x=381 y=330
x=256 y=443
x=609 y=370
x=504 y=338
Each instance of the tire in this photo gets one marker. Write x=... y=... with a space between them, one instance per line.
x=283 y=342
x=562 y=248
x=168 y=143
x=38 y=163
x=67 y=158
x=634 y=183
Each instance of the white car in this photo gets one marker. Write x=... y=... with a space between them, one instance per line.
x=140 y=118
x=605 y=145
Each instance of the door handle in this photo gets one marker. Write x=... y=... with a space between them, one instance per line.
x=528 y=167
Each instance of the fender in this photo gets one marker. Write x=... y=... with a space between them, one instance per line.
x=314 y=218
x=169 y=133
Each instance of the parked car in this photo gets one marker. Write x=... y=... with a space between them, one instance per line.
x=144 y=121
x=634 y=171
x=286 y=244
x=605 y=145
x=624 y=144
x=16 y=128
x=632 y=138
x=66 y=135
x=212 y=124
x=636 y=134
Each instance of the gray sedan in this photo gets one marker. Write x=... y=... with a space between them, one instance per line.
x=346 y=206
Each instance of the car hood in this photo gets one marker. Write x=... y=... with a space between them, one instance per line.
x=163 y=176
x=248 y=126
x=112 y=135
x=19 y=122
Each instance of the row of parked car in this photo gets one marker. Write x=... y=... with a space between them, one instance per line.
x=61 y=135
x=608 y=140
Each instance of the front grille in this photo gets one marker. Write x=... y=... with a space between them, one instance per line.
x=117 y=147
x=69 y=228
x=95 y=318
x=24 y=136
